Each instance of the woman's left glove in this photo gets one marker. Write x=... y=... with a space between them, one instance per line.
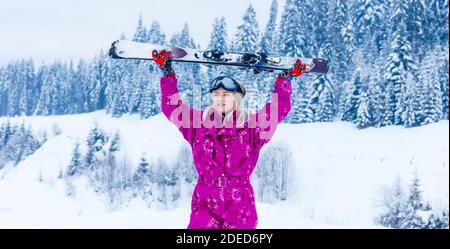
x=163 y=60
x=298 y=70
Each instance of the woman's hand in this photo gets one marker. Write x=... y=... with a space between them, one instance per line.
x=163 y=60
x=298 y=70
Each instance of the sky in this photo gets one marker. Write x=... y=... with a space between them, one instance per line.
x=63 y=30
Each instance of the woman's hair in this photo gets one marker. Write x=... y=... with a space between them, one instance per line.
x=242 y=117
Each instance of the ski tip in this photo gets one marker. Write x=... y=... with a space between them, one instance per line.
x=178 y=52
x=112 y=51
x=320 y=66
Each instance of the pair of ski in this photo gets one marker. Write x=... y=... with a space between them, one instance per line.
x=124 y=49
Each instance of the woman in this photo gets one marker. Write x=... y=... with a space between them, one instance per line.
x=225 y=142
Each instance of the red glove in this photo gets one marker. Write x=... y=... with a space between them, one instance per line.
x=298 y=70
x=162 y=59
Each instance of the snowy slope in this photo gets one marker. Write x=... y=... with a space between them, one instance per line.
x=340 y=172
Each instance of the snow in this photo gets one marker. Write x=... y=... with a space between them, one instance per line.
x=130 y=49
x=340 y=172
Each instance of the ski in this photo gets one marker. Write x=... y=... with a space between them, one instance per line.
x=124 y=49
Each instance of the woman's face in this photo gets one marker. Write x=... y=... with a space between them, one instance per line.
x=223 y=100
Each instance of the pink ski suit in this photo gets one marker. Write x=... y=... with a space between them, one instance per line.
x=224 y=156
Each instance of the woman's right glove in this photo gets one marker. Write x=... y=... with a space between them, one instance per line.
x=163 y=60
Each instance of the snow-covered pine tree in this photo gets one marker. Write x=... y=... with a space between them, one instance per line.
x=6 y=131
x=342 y=36
x=431 y=94
x=124 y=180
x=13 y=92
x=415 y=30
x=61 y=99
x=173 y=184
x=218 y=41
x=293 y=30
x=111 y=174
x=414 y=204
x=121 y=92
x=247 y=35
x=293 y=41
x=3 y=92
x=142 y=73
x=95 y=148
x=74 y=91
x=363 y=119
x=375 y=92
x=443 y=62
x=76 y=165
x=353 y=97
x=320 y=107
x=394 y=202
x=367 y=19
x=21 y=144
x=115 y=142
x=185 y=164
x=140 y=35
x=139 y=80
x=273 y=173
x=81 y=79
x=149 y=105
x=437 y=28
x=161 y=180
x=411 y=113
x=116 y=73
x=322 y=40
x=46 y=92
x=143 y=180
x=267 y=44
x=399 y=64
x=26 y=83
x=327 y=105
x=97 y=77
x=246 y=40
x=155 y=34
x=188 y=75
x=438 y=220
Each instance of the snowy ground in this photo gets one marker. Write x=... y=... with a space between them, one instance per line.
x=340 y=174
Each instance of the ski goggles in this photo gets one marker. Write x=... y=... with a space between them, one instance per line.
x=226 y=83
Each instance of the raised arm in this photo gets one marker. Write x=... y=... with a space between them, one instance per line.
x=267 y=119
x=172 y=105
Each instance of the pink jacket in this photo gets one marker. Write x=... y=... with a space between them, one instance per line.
x=227 y=150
